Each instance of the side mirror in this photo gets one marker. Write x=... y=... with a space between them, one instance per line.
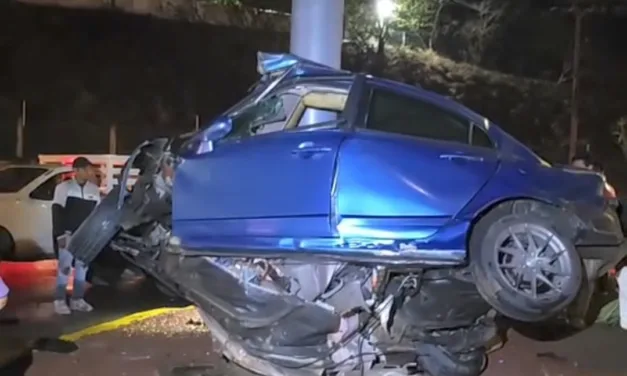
x=218 y=129
x=202 y=142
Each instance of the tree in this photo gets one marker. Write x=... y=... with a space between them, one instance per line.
x=419 y=17
x=364 y=29
x=435 y=27
x=241 y=13
x=579 y=9
x=190 y=10
x=481 y=30
x=361 y=26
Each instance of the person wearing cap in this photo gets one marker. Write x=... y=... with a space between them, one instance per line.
x=73 y=201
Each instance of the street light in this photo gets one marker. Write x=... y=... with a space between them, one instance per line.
x=385 y=9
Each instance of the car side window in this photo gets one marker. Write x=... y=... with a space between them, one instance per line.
x=400 y=114
x=480 y=138
x=13 y=179
x=45 y=191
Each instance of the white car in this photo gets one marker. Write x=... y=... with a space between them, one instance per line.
x=26 y=193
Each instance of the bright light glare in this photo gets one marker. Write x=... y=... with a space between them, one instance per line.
x=385 y=9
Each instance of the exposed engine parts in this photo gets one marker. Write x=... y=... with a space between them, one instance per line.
x=385 y=318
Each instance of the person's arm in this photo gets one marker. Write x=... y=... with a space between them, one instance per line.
x=58 y=216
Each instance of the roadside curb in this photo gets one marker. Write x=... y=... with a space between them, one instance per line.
x=122 y=322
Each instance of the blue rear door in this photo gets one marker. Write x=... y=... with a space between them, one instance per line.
x=386 y=175
x=413 y=167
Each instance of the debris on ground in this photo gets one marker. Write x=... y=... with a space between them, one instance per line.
x=187 y=322
x=155 y=346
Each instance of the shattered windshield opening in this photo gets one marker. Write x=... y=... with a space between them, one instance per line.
x=252 y=118
x=259 y=107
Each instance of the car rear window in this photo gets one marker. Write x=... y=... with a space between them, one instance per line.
x=13 y=179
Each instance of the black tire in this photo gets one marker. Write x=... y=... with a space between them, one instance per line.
x=98 y=229
x=492 y=282
x=7 y=245
x=437 y=361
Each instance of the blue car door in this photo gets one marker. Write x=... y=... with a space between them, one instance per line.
x=414 y=166
x=271 y=185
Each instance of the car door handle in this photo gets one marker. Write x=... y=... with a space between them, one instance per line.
x=307 y=149
x=461 y=157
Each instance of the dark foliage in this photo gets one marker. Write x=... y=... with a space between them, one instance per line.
x=81 y=71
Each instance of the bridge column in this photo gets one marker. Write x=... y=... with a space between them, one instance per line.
x=317 y=30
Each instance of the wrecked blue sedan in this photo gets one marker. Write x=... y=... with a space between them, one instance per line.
x=334 y=223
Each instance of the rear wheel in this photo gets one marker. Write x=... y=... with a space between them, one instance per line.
x=522 y=264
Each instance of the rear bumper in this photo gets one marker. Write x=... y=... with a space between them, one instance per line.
x=600 y=259
x=598 y=228
x=601 y=242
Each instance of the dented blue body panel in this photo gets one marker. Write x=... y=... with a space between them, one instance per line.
x=344 y=191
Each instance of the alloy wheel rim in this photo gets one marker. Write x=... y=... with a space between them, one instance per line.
x=532 y=261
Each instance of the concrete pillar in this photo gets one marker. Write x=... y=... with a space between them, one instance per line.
x=317 y=31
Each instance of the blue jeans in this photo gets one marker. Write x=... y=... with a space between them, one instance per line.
x=64 y=270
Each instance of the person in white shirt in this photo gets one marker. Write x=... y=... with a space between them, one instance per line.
x=73 y=202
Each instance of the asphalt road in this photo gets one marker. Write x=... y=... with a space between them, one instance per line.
x=29 y=315
x=160 y=345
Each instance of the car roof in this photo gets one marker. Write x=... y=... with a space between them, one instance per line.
x=297 y=68
x=39 y=166
x=301 y=69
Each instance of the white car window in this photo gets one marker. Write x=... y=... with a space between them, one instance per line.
x=13 y=179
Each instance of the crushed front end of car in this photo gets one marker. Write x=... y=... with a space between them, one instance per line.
x=289 y=316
